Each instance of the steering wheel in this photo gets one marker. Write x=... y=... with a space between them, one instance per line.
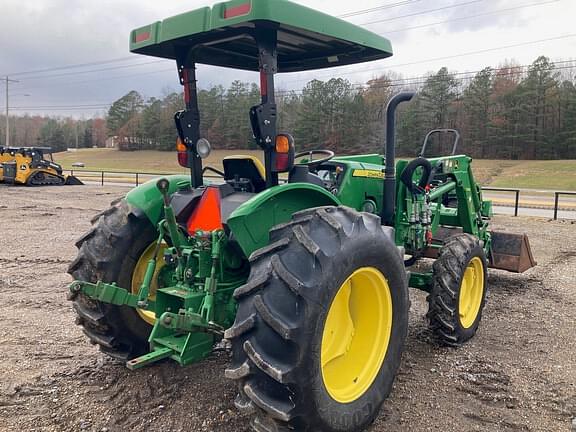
x=328 y=154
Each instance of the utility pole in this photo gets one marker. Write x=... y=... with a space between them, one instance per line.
x=76 y=129
x=8 y=81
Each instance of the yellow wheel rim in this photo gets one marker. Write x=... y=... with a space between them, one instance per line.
x=138 y=278
x=471 y=292
x=356 y=334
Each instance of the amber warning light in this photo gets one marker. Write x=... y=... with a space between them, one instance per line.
x=182 y=153
x=284 y=153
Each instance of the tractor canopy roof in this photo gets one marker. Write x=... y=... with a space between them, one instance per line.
x=223 y=36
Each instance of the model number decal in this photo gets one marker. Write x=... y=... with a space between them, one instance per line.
x=368 y=173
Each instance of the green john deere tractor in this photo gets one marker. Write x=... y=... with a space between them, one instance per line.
x=306 y=278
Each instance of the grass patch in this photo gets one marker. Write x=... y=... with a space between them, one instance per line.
x=142 y=161
x=551 y=175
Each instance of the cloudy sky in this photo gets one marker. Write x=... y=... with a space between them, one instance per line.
x=41 y=39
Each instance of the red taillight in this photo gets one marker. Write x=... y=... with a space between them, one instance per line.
x=263 y=84
x=236 y=11
x=207 y=215
x=183 y=159
x=141 y=37
x=282 y=162
x=182 y=153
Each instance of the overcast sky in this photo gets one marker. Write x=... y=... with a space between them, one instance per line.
x=425 y=34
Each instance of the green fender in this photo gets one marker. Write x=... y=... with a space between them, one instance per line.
x=148 y=199
x=251 y=221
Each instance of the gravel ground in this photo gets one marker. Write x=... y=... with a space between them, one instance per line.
x=517 y=374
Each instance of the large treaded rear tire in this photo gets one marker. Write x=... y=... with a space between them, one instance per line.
x=109 y=252
x=276 y=338
x=443 y=301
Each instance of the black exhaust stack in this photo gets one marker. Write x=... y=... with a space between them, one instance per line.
x=389 y=200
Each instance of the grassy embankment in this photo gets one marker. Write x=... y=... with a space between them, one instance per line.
x=550 y=175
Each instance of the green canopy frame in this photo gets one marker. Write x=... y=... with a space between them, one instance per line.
x=269 y=36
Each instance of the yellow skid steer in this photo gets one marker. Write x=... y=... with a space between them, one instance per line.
x=29 y=166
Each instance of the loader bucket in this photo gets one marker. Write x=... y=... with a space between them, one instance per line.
x=73 y=181
x=511 y=252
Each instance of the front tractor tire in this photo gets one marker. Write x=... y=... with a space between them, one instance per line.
x=321 y=323
x=110 y=252
x=458 y=294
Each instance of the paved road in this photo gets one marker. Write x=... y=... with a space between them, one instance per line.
x=532 y=198
x=529 y=211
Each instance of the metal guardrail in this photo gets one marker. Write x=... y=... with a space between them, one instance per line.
x=557 y=198
x=516 y=191
x=101 y=177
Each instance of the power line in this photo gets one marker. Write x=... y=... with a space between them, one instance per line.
x=96 y=70
x=378 y=8
x=120 y=77
x=62 y=108
x=464 y=54
x=482 y=51
x=416 y=81
x=422 y=12
x=78 y=65
x=288 y=82
x=495 y=12
x=66 y=106
x=516 y=70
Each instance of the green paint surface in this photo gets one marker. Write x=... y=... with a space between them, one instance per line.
x=223 y=36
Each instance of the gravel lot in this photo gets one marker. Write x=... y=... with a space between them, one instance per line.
x=518 y=374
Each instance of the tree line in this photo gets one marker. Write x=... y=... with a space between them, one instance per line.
x=511 y=112
x=57 y=133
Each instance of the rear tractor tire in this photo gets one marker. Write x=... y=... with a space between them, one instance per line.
x=459 y=290
x=111 y=252
x=321 y=323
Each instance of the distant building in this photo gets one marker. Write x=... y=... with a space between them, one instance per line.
x=126 y=143
x=112 y=142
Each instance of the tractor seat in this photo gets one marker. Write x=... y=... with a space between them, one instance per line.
x=245 y=167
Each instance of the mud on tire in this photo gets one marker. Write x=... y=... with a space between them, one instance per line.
x=276 y=338
x=109 y=252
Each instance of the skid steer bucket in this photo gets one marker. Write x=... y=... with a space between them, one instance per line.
x=511 y=252
x=73 y=181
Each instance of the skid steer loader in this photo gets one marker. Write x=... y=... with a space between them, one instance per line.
x=29 y=166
